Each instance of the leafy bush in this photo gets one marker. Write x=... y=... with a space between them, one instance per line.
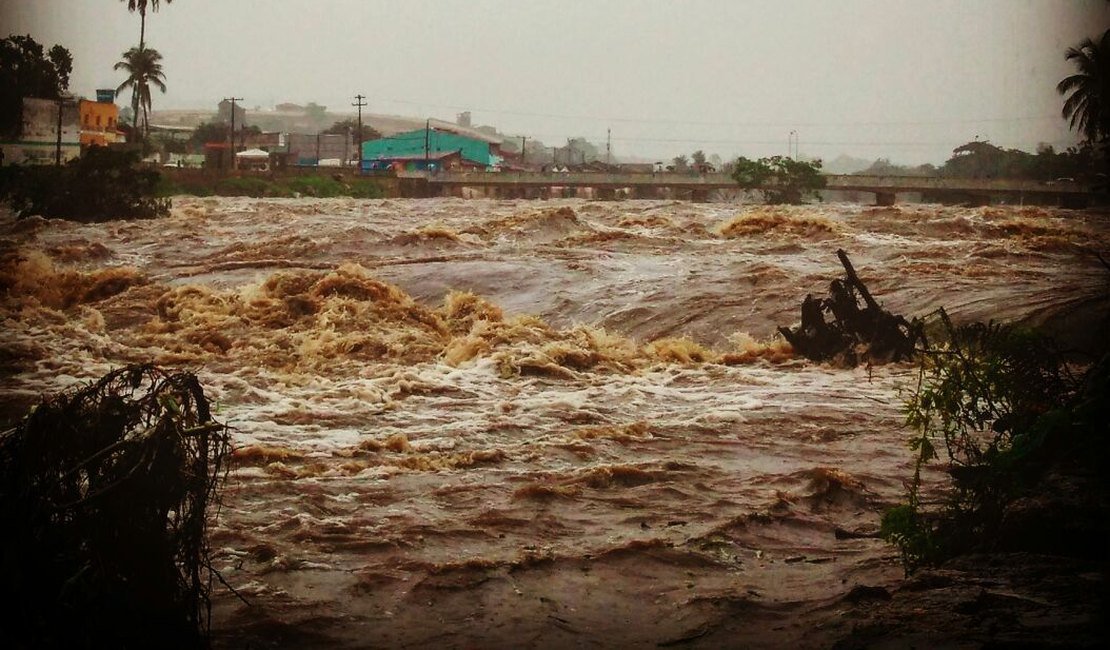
x=1002 y=405
x=102 y=185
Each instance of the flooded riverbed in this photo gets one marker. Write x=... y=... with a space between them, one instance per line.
x=531 y=424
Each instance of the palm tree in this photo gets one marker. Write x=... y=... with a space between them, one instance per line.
x=141 y=6
x=144 y=68
x=1088 y=106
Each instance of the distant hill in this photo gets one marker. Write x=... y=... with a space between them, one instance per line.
x=290 y=118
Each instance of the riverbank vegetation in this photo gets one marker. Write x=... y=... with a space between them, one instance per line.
x=1019 y=428
x=321 y=186
x=102 y=185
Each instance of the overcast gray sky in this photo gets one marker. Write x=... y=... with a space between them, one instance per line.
x=905 y=79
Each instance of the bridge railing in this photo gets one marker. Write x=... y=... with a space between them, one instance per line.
x=843 y=182
x=587 y=179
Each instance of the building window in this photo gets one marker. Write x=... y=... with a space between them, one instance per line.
x=111 y=122
x=98 y=120
x=86 y=119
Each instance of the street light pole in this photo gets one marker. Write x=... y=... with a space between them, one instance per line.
x=358 y=138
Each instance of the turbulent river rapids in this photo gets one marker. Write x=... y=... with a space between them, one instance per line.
x=546 y=424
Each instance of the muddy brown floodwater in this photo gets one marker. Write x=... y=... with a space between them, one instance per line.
x=494 y=424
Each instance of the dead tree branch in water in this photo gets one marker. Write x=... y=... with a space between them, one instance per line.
x=868 y=333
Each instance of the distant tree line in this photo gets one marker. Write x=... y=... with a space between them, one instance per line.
x=981 y=159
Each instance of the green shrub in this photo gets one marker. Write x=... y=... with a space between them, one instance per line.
x=101 y=185
x=1001 y=404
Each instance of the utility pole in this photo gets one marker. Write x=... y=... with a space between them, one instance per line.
x=523 y=140
x=427 y=128
x=58 y=147
x=608 y=145
x=358 y=138
x=232 y=138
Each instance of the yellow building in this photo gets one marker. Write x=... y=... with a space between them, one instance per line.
x=99 y=121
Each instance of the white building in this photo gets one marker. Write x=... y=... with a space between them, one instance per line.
x=38 y=140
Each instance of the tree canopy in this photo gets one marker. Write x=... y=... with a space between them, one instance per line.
x=209 y=132
x=1087 y=106
x=343 y=126
x=981 y=159
x=778 y=178
x=26 y=70
x=143 y=66
x=141 y=7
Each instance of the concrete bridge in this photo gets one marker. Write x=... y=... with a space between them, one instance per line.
x=700 y=186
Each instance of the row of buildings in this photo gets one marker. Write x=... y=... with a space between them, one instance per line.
x=294 y=135
x=59 y=130
x=438 y=146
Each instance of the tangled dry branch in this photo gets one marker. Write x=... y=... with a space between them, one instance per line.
x=107 y=492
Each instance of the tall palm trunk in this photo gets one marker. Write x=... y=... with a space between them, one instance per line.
x=135 y=92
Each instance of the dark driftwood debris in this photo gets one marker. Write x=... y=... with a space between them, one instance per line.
x=855 y=332
x=105 y=495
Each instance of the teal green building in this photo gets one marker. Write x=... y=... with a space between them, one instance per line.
x=410 y=147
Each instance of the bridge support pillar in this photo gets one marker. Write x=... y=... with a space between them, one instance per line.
x=606 y=194
x=699 y=196
x=885 y=199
